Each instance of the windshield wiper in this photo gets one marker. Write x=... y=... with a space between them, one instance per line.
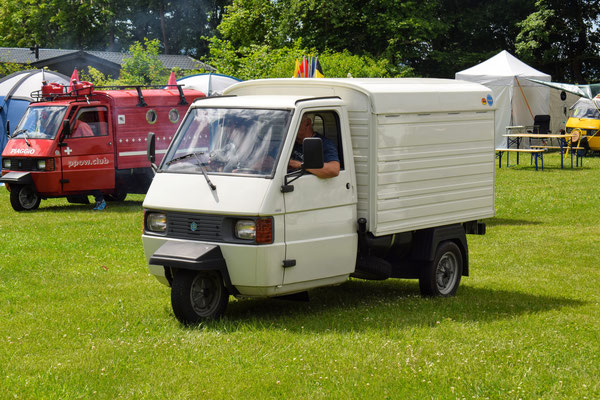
x=184 y=157
x=24 y=132
x=201 y=164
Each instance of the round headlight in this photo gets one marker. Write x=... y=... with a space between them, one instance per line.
x=6 y=163
x=41 y=164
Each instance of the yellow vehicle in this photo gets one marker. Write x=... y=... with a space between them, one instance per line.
x=585 y=120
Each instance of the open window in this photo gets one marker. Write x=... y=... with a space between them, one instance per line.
x=90 y=122
x=327 y=124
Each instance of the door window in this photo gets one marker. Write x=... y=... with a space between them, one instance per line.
x=327 y=124
x=90 y=122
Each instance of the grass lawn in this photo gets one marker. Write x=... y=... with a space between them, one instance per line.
x=80 y=317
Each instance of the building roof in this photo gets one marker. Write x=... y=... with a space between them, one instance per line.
x=26 y=56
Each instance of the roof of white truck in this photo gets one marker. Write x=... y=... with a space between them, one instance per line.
x=386 y=94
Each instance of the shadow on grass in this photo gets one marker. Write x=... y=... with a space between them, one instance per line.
x=395 y=304
x=509 y=221
x=112 y=207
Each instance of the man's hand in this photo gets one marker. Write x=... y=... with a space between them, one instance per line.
x=294 y=164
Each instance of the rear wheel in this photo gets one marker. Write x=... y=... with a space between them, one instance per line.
x=441 y=276
x=24 y=198
x=197 y=296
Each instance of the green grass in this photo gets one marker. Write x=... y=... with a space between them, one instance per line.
x=80 y=317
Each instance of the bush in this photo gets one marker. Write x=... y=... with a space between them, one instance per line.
x=262 y=61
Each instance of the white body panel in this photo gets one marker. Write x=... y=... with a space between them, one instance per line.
x=418 y=153
x=423 y=148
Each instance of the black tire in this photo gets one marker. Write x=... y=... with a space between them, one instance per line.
x=198 y=296
x=441 y=276
x=24 y=198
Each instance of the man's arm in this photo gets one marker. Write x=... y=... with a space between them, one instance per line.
x=330 y=169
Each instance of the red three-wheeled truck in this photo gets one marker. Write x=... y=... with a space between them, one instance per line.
x=78 y=140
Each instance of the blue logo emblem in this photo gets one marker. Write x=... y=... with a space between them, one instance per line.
x=193 y=226
x=490 y=100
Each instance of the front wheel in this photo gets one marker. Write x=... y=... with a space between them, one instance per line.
x=197 y=296
x=24 y=198
x=441 y=276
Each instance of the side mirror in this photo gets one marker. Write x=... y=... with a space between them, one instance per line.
x=313 y=153
x=66 y=129
x=151 y=150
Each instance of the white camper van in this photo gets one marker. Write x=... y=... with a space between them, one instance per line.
x=225 y=215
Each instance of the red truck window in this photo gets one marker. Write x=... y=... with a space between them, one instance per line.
x=91 y=121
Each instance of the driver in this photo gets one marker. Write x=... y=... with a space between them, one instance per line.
x=331 y=161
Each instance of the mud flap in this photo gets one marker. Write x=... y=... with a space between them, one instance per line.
x=193 y=256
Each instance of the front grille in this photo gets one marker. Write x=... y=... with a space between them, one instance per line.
x=196 y=226
x=23 y=164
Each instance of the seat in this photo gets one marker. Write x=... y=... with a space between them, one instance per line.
x=541 y=126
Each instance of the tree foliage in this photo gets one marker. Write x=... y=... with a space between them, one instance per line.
x=562 y=39
x=263 y=61
x=110 y=24
x=10 y=67
x=389 y=37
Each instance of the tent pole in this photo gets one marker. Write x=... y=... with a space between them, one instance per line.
x=523 y=93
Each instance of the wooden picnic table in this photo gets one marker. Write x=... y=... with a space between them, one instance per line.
x=515 y=138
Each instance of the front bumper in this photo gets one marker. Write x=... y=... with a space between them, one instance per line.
x=17 y=178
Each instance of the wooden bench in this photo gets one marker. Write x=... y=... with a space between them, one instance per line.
x=535 y=153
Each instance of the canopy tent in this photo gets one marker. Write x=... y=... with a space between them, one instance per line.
x=517 y=99
x=15 y=96
x=209 y=84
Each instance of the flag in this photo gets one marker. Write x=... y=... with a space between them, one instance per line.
x=318 y=69
x=74 y=79
x=312 y=67
x=296 y=69
x=304 y=67
x=172 y=80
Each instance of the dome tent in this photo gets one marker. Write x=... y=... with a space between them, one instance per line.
x=506 y=76
x=15 y=96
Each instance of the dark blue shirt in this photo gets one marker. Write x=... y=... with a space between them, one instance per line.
x=330 y=152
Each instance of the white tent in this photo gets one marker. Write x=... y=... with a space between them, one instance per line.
x=209 y=84
x=515 y=97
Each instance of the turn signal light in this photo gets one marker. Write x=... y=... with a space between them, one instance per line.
x=264 y=230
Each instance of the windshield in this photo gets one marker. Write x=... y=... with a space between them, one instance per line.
x=228 y=141
x=585 y=108
x=40 y=123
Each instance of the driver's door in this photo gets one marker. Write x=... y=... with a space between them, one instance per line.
x=320 y=217
x=88 y=160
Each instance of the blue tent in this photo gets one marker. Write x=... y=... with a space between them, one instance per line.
x=15 y=96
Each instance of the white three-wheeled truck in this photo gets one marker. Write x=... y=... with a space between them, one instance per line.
x=225 y=216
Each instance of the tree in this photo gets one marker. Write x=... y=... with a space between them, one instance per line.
x=469 y=32
x=562 y=39
x=143 y=67
x=180 y=25
x=378 y=28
